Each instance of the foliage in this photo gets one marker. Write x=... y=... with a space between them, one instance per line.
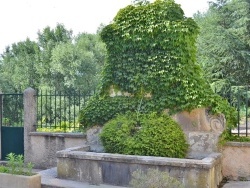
x=101 y=109
x=77 y=65
x=13 y=110
x=61 y=127
x=144 y=134
x=57 y=61
x=219 y=105
x=18 y=67
x=151 y=51
x=154 y=178
x=227 y=136
x=149 y=59
x=15 y=165
x=223 y=43
x=225 y=56
x=48 y=39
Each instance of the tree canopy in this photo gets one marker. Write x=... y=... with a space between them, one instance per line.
x=57 y=61
x=223 y=43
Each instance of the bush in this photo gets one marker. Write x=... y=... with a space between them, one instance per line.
x=144 y=134
x=15 y=165
x=154 y=178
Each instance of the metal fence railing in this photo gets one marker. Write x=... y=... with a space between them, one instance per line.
x=11 y=110
x=239 y=98
x=59 y=111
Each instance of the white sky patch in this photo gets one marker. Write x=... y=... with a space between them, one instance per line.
x=192 y=6
x=20 y=19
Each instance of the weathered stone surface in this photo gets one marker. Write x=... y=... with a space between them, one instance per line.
x=30 y=105
x=93 y=139
x=235 y=161
x=43 y=147
x=200 y=120
x=202 y=143
x=202 y=131
x=20 y=181
x=116 y=169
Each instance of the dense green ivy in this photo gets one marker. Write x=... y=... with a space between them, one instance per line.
x=151 y=50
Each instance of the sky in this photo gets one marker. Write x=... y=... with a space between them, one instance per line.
x=20 y=19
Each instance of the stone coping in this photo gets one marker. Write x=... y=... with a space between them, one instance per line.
x=65 y=135
x=206 y=163
x=238 y=144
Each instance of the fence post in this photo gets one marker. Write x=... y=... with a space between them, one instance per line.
x=29 y=100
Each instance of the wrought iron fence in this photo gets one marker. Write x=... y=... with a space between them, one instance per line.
x=59 y=111
x=239 y=97
x=11 y=110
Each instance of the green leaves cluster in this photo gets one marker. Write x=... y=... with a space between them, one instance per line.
x=151 y=47
x=151 y=50
x=144 y=134
x=101 y=109
x=15 y=165
x=223 y=43
x=57 y=61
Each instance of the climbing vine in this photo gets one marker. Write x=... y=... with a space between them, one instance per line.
x=151 y=51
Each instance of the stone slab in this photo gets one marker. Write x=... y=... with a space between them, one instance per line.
x=49 y=180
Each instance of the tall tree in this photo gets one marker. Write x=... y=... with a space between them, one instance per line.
x=57 y=61
x=48 y=39
x=77 y=66
x=223 y=43
x=19 y=66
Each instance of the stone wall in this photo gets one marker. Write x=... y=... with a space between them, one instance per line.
x=116 y=169
x=43 y=147
x=235 y=160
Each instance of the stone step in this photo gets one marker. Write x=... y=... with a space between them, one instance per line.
x=50 y=180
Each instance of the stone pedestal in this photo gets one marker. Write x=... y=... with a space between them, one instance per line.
x=202 y=131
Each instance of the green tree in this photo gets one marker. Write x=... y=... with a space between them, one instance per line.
x=48 y=39
x=78 y=65
x=223 y=43
x=19 y=66
x=57 y=61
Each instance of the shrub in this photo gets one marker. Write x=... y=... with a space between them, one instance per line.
x=144 y=134
x=15 y=165
x=154 y=178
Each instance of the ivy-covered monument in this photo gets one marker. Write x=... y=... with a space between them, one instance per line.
x=151 y=66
